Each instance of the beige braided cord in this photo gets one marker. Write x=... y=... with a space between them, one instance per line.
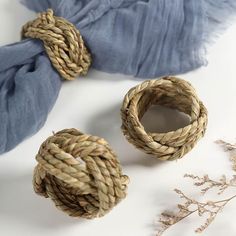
x=63 y=43
x=169 y=92
x=80 y=173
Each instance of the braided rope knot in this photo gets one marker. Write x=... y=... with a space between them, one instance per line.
x=63 y=43
x=173 y=93
x=80 y=173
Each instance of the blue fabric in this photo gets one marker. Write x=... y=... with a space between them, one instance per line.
x=144 y=38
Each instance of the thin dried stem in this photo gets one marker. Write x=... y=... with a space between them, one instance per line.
x=207 y=184
x=231 y=149
x=209 y=209
x=191 y=206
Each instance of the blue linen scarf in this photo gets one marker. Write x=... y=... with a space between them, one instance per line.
x=144 y=38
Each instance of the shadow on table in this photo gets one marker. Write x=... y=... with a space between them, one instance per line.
x=19 y=202
x=107 y=124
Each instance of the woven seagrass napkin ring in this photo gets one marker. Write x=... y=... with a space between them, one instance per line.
x=173 y=93
x=63 y=43
x=80 y=173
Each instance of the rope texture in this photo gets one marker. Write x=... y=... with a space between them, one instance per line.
x=63 y=43
x=80 y=173
x=173 y=93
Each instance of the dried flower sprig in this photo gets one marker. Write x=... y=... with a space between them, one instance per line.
x=207 y=184
x=210 y=209
x=231 y=149
x=191 y=206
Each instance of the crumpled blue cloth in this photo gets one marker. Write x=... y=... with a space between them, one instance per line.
x=144 y=38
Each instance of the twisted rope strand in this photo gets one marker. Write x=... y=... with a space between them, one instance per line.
x=63 y=44
x=173 y=93
x=80 y=173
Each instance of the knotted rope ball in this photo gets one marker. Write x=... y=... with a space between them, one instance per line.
x=173 y=93
x=80 y=173
x=63 y=43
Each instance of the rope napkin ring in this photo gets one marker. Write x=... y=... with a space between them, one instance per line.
x=173 y=93
x=80 y=173
x=63 y=43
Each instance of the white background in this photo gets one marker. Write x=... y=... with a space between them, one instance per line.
x=92 y=105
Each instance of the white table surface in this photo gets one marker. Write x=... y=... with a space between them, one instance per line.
x=22 y=212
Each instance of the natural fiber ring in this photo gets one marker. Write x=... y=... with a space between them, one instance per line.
x=63 y=43
x=173 y=93
x=80 y=173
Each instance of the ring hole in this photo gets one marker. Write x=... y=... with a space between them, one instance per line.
x=160 y=119
x=161 y=113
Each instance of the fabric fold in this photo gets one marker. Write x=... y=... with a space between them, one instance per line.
x=143 y=38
